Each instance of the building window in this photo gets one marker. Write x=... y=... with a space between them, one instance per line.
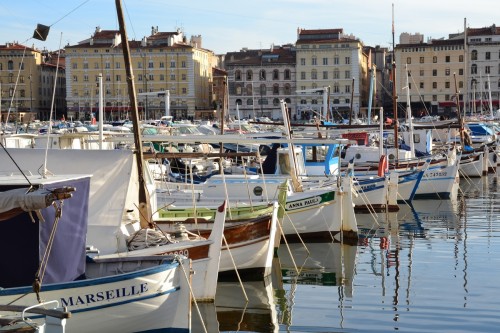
x=336 y=88
x=139 y=77
x=85 y=65
x=421 y=85
x=139 y=64
x=314 y=61
x=461 y=58
x=118 y=77
x=421 y=72
x=347 y=74
x=336 y=60
x=434 y=85
x=434 y=98
x=262 y=75
x=434 y=59
x=325 y=75
x=249 y=101
x=408 y=60
x=347 y=89
x=184 y=91
x=172 y=77
x=276 y=75
x=460 y=84
x=183 y=64
x=302 y=75
x=434 y=72
x=239 y=102
x=249 y=75
x=287 y=74
x=276 y=102
x=237 y=75
x=162 y=77
x=287 y=89
x=118 y=65
x=96 y=65
x=151 y=77
x=238 y=89
x=325 y=61
x=347 y=60
x=487 y=69
x=263 y=89
x=75 y=78
x=447 y=84
x=460 y=71
x=447 y=58
x=262 y=101
x=488 y=55
x=86 y=78
x=447 y=72
x=151 y=65
x=107 y=65
x=74 y=65
x=336 y=74
x=249 y=89
x=172 y=64
x=302 y=61
x=276 y=89
x=183 y=77
x=108 y=78
x=314 y=74
x=473 y=55
x=473 y=69
x=421 y=60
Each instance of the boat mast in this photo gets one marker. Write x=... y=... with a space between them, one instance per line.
x=144 y=204
x=394 y=96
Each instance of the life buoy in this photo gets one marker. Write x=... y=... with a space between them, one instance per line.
x=382 y=166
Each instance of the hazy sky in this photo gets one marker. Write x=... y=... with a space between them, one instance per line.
x=231 y=25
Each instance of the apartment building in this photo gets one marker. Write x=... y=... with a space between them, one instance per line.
x=27 y=79
x=259 y=79
x=162 y=61
x=483 y=89
x=331 y=58
x=437 y=65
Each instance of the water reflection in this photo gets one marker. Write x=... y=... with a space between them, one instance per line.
x=422 y=268
x=232 y=313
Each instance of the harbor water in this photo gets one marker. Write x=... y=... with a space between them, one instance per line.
x=433 y=266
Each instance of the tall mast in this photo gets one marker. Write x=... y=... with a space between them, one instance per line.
x=144 y=204
x=394 y=95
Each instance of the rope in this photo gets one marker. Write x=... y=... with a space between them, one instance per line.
x=192 y=293
x=147 y=237
x=37 y=284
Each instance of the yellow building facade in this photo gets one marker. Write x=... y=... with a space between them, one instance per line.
x=330 y=58
x=163 y=61
x=27 y=80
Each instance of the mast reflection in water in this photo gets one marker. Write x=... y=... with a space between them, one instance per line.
x=430 y=267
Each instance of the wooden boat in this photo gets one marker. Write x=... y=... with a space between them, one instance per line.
x=110 y=225
x=249 y=241
x=50 y=263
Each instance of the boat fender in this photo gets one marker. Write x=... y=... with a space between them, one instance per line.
x=382 y=166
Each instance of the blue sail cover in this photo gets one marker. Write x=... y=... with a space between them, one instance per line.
x=23 y=243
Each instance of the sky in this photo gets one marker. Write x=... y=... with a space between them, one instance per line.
x=227 y=26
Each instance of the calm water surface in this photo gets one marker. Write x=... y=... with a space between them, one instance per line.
x=433 y=267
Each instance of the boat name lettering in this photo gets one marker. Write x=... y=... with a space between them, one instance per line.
x=184 y=252
x=105 y=295
x=366 y=187
x=437 y=174
x=303 y=203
